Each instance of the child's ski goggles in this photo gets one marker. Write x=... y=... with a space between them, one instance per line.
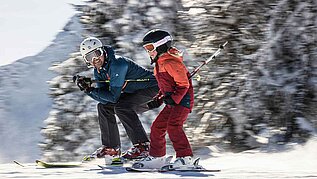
x=150 y=47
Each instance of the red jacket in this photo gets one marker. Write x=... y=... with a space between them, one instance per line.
x=172 y=77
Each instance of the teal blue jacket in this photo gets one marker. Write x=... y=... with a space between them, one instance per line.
x=118 y=69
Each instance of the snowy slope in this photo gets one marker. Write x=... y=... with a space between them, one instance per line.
x=24 y=102
x=300 y=162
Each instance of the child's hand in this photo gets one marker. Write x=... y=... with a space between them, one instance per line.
x=155 y=103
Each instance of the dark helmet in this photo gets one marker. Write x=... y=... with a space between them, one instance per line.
x=162 y=41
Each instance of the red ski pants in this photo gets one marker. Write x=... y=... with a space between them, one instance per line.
x=170 y=120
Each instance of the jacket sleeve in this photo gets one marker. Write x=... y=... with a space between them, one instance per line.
x=178 y=72
x=117 y=73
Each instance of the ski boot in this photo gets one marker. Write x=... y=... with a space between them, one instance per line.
x=111 y=155
x=183 y=162
x=186 y=164
x=138 y=151
x=151 y=162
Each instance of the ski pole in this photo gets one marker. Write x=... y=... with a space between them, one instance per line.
x=191 y=74
x=129 y=80
x=89 y=80
x=208 y=60
x=204 y=63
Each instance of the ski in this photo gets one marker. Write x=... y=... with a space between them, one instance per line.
x=170 y=168
x=130 y=169
x=118 y=162
x=167 y=168
x=106 y=167
x=57 y=165
x=196 y=168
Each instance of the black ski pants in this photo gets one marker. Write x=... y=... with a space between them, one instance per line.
x=127 y=108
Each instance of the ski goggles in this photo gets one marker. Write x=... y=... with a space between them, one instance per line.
x=150 y=47
x=89 y=57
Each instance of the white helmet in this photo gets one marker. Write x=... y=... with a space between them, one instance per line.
x=89 y=44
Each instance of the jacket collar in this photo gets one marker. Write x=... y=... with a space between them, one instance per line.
x=172 y=53
x=110 y=54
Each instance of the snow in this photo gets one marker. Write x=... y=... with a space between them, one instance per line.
x=296 y=162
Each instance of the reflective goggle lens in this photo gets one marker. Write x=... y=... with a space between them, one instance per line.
x=149 y=47
x=93 y=54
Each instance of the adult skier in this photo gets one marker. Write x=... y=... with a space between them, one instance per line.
x=176 y=91
x=119 y=97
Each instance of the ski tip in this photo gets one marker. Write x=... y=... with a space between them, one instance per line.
x=58 y=165
x=38 y=161
x=18 y=163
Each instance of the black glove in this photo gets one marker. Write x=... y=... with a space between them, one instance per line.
x=169 y=100
x=83 y=83
x=155 y=103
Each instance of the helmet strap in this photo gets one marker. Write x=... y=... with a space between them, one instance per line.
x=154 y=60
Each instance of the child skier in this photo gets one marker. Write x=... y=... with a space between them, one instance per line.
x=176 y=91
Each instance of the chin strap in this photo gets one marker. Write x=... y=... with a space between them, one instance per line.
x=98 y=69
x=156 y=58
x=153 y=60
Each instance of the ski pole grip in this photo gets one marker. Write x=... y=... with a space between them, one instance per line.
x=223 y=45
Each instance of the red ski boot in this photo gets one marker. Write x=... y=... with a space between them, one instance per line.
x=102 y=152
x=138 y=151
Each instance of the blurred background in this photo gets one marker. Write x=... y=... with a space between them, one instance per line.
x=260 y=92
